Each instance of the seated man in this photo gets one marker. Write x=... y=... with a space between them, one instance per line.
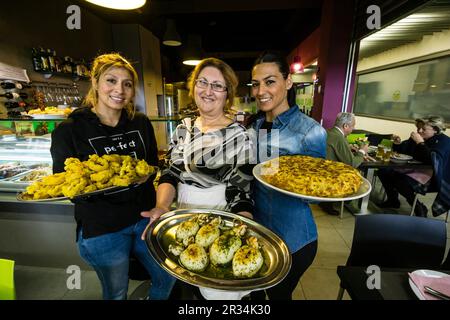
x=338 y=149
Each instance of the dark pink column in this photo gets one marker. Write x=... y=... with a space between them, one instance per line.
x=335 y=39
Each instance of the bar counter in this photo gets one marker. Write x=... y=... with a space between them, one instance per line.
x=38 y=234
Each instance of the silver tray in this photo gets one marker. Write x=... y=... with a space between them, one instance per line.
x=363 y=190
x=277 y=260
x=105 y=191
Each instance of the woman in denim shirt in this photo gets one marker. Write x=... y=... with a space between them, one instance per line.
x=290 y=217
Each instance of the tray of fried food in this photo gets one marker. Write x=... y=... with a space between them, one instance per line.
x=49 y=113
x=97 y=175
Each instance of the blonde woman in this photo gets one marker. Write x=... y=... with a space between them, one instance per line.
x=109 y=226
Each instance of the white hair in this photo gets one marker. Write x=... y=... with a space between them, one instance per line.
x=344 y=118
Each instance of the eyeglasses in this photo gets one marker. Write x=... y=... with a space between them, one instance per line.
x=215 y=86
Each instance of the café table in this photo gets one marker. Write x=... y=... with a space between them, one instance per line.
x=368 y=169
x=394 y=283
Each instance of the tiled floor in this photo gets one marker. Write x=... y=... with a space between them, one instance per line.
x=319 y=282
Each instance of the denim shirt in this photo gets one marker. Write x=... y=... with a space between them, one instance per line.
x=290 y=217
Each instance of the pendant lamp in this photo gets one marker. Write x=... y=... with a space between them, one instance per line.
x=171 y=36
x=193 y=53
x=119 y=4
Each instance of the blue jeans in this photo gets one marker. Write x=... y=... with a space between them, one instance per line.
x=109 y=255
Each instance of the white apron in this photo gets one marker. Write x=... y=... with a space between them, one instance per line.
x=192 y=197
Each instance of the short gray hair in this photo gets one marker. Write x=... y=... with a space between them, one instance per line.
x=344 y=118
x=436 y=122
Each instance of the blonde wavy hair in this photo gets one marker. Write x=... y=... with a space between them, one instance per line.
x=103 y=63
x=231 y=80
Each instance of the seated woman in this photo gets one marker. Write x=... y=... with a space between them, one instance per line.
x=430 y=146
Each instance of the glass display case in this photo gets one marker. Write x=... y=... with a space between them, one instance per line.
x=24 y=152
x=25 y=149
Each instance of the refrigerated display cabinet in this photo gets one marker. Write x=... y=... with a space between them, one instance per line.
x=32 y=233
x=24 y=152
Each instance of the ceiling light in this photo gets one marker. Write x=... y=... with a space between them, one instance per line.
x=192 y=53
x=191 y=62
x=171 y=37
x=119 y=4
x=297 y=65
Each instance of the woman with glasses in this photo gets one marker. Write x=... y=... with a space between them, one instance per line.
x=289 y=217
x=205 y=162
x=428 y=145
x=206 y=155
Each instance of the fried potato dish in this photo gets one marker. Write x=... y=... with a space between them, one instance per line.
x=312 y=176
x=81 y=177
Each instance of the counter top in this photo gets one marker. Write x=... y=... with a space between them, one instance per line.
x=9 y=203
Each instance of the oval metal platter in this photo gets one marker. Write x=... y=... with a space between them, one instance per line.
x=277 y=260
x=363 y=190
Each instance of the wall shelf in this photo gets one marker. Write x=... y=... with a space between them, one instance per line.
x=74 y=77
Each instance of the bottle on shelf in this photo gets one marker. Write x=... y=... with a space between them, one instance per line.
x=58 y=62
x=44 y=60
x=11 y=85
x=86 y=72
x=51 y=60
x=14 y=105
x=37 y=63
x=68 y=65
x=14 y=95
x=78 y=68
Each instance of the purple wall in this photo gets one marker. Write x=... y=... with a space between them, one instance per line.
x=335 y=30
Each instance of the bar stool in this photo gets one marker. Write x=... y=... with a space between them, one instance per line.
x=136 y=271
x=7 y=287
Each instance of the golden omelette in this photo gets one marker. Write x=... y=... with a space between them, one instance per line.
x=312 y=176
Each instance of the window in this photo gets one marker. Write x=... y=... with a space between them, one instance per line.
x=405 y=92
